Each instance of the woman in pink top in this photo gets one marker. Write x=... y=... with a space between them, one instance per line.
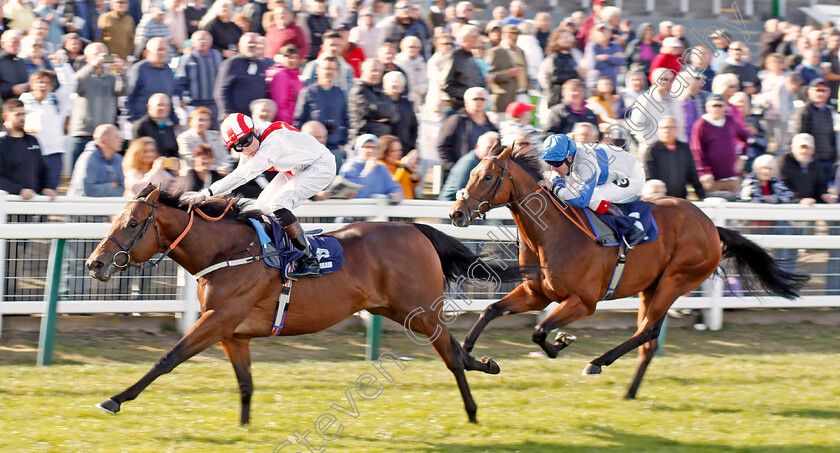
x=284 y=83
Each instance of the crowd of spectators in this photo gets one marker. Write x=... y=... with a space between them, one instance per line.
x=116 y=94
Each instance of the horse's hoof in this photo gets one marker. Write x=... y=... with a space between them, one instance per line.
x=109 y=406
x=591 y=370
x=493 y=366
x=538 y=337
x=564 y=338
x=473 y=419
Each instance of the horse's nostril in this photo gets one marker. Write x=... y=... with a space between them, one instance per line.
x=95 y=265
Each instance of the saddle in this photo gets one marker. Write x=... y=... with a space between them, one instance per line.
x=609 y=229
x=279 y=253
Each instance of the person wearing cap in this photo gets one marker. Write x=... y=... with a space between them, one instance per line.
x=713 y=140
x=366 y=35
x=404 y=24
x=519 y=116
x=818 y=119
x=284 y=31
x=801 y=172
x=305 y=167
x=721 y=39
x=603 y=57
x=738 y=64
x=460 y=131
x=151 y=26
x=589 y=23
x=668 y=57
x=508 y=70
x=460 y=72
x=588 y=175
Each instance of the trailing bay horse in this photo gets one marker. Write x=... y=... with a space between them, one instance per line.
x=391 y=269
x=577 y=272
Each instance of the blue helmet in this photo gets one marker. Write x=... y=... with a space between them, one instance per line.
x=558 y=147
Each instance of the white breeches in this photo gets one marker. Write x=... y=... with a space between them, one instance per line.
x=286 y=191
x=621 y=191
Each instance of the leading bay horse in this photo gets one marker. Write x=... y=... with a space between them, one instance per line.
x=391 y=269
x=577 y=272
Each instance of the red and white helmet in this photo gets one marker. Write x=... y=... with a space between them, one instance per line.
x=235 y=127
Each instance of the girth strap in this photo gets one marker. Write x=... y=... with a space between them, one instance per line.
x=618 y=272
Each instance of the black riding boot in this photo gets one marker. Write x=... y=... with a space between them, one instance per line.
x=307 y=265
x=632 y=238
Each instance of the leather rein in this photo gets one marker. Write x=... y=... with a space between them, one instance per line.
x=485 y=204
x=125 y=251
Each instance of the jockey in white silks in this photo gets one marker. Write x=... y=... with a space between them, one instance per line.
x=595 y=176
x=305 y=167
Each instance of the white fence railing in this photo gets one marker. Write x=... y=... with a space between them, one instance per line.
x=712 y=300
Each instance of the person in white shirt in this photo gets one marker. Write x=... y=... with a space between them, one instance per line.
x=305 y=167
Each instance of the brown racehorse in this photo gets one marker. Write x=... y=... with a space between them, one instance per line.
x=391 y=269
x=577 y=271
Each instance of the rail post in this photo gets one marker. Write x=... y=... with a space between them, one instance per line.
x=46 y=340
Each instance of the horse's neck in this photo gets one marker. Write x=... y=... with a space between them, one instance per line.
x=205 y=241
x=540 y=229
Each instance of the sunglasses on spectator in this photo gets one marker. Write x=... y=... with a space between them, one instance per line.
x=716 y=106
x=243 y=143
x=821 y=90
x=735 y=48
x=479 y=99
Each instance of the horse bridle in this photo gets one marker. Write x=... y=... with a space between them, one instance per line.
x=484 y=201
x=126 y=250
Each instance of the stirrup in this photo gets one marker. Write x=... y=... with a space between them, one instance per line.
x=635 y=237
x=305 y=266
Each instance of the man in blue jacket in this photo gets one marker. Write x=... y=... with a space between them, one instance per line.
x=98 y=172
x=241 y=79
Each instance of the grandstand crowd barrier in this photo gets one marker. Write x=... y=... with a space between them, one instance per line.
x=29 y=228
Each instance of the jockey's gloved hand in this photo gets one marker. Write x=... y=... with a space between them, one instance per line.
x=197 y=197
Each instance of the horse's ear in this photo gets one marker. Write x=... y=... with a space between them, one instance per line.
x=507 y=152
x=152 y=197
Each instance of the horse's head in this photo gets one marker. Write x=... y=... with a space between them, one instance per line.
x=490 y=185
x=129 y=241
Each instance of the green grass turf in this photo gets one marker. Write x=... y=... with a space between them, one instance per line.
x=745 y=389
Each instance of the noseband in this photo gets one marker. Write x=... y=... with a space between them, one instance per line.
x=125 y=251
x=484 y=203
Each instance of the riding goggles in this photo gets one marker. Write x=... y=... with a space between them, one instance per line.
x=243 y=143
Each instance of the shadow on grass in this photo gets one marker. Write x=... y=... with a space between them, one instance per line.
x=811 y=413
x=624 y=442
x=98 y=347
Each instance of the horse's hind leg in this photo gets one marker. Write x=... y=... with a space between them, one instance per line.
x=522 y=299
x=239 y=354
x=570 y=310
x=202 y=335
x=447 y=348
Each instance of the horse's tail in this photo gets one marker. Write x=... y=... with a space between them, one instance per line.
x=457 y=260
x=757 y=268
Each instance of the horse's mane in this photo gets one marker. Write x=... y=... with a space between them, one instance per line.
x=214 y=207
x=529 y=162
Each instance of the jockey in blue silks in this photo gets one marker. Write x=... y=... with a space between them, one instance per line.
x=595 y=176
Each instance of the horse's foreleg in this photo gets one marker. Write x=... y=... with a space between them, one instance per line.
x=239 y=355
x=202 y=335
x=520 y=300
x=570 y=310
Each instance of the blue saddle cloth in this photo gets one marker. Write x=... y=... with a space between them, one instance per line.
x=327 y=249
x=617 y=226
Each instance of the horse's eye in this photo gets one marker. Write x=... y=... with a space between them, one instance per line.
x=488 y=177
x=132 y=224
